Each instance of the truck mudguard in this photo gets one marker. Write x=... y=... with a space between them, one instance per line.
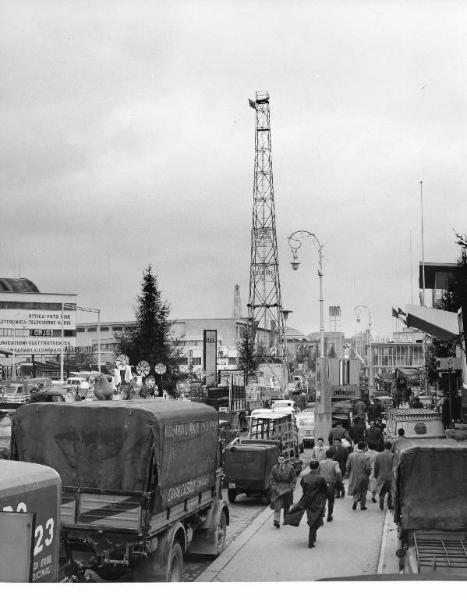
x=140 y=446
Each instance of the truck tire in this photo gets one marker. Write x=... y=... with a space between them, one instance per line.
x=231 y=495
x=175 y=564
x=221 y=533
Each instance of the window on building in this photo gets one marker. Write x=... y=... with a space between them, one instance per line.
x=80 y=329
x=117 y=328
x=196 y=360
x=92 y=329
x=104 y=329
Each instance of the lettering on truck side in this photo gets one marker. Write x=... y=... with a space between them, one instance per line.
x=186 y=488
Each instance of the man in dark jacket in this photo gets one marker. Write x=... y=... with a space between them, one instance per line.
x=282 y=483
x=341 y=455
x=338 y=432
x=357 y=431
x=314 y=499
x=375 y=436
x=383 y=475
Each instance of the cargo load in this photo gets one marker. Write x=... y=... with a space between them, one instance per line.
x=111 y=446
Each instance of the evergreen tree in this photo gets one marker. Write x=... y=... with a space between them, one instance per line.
x=151 y=338
x=247 y=358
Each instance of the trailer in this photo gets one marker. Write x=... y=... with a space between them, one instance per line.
x=141 y=483
x=430 y=508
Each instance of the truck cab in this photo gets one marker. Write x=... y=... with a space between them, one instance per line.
x=29 y=522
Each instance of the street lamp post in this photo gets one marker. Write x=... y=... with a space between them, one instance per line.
x=322 y=410
x=285 y=365
x=371 y=380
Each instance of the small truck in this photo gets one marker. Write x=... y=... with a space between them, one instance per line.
x=417 y=423
x=29 y=523
x=430 y=506
x=141 y=483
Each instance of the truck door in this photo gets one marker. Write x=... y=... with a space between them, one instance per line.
x=16 y=542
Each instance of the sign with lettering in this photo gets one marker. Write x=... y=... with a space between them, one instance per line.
x=348 y=392
x=37 y=332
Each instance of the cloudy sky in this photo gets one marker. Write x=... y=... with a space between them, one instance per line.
x=126 y=139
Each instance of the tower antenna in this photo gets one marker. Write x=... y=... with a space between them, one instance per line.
x=264 y=300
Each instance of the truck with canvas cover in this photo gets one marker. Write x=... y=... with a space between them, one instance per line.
x=141 y=483
x=248 y=461
x=430 y=507
x=29 y=523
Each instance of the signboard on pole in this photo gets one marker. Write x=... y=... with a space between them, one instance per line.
x=210 y=355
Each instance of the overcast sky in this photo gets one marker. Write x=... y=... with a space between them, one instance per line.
x=126 y=139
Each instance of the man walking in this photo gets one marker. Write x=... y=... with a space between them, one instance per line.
x=282 y=483
x=319 y=451
x=329 y=469
x=400 y=437
x=338 y=432
x=358 y=470
x=383 y=475
x=341 y=455
x=372 y=454
x=357 y=431
x=314 y=497
x=375 y=436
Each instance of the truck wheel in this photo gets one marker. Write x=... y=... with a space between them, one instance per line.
x=231 y=494
x=221 y=533
x=175 y=563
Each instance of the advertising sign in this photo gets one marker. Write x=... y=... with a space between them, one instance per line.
x=37 y=331
x=210 y=355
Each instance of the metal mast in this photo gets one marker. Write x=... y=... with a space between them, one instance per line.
x=265 y=303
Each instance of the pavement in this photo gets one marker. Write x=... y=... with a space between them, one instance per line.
x=354 y=543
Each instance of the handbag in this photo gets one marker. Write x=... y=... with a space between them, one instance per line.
x=295 y=514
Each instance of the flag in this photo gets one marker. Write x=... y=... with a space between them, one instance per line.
x=395 y=314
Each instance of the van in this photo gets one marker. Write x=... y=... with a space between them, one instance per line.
x=18 y=392
x=306 y=428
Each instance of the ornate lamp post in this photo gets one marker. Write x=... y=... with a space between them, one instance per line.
x=322 y=409
x=371 y=382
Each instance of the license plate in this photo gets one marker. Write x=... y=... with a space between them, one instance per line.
x=232 y=486
x=308 y=433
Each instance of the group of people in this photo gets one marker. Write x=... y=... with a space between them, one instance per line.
x=367 y=465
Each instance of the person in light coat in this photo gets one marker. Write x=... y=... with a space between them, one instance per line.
x=358 y=470
x=282 y=484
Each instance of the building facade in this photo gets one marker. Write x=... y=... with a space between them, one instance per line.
x=34 y=326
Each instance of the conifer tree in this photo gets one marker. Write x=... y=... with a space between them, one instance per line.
x=151 y=339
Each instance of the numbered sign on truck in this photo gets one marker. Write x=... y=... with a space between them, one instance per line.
x=29 y=522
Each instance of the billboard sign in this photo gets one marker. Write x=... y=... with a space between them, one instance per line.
x=37 y=331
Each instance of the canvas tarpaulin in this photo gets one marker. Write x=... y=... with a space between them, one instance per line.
x=431 y=484
x=115 y=445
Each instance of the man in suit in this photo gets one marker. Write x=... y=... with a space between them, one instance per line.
x=358 y=469
x=282 y=483
x=383 y=475
x=341 y=455
x=315 y=492
x=329 y=469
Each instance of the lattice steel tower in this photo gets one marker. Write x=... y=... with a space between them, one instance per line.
x=265 y=303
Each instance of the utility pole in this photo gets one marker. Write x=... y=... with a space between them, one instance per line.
x=264 y=300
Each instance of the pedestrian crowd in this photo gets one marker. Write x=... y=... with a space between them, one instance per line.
x=360 y=455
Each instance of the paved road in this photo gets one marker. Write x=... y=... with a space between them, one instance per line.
x=242 y=513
